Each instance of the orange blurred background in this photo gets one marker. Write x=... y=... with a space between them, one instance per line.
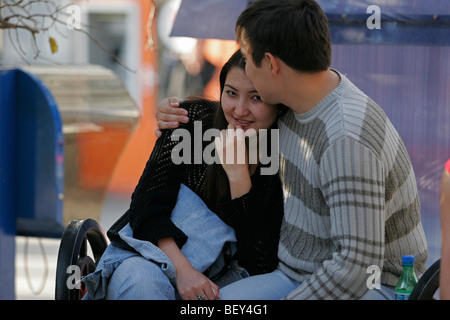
x=121 y=166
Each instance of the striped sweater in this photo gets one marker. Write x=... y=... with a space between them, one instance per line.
x=351 y=198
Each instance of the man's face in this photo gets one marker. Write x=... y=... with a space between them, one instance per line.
x=260 y=76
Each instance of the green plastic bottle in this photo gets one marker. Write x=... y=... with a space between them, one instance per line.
x=408 y=279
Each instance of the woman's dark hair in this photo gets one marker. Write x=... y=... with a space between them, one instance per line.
x=217 y=183
x=296 y=31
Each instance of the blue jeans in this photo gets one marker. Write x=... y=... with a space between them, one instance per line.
x=145 y=272
x=276 y=285
x=269 y=286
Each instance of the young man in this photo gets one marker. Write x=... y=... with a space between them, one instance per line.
x=351 y=202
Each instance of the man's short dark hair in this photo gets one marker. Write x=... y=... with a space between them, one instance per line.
x=296 y=31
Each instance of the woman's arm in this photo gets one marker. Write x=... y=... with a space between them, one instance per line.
x=190 y=283
x=232 y=140
x=156 y=193
x=156 y=196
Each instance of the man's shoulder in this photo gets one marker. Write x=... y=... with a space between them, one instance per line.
x=357 y=107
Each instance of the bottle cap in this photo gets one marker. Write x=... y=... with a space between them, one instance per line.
x=408 y=260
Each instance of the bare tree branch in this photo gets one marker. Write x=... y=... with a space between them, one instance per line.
x=40 y=16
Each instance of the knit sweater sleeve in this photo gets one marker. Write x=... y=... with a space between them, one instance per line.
x=156 y=194
x=352 y=183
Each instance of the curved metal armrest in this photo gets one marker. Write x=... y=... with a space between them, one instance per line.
x=428 y=284
x=78 y=237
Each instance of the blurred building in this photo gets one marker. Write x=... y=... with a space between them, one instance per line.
x=115 y=36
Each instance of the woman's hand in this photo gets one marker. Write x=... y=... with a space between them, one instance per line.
x=193 y=285
x=232 y=151
x=169 y=115
x=233 y=155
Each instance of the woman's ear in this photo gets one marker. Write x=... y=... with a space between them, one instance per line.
x=274 y=63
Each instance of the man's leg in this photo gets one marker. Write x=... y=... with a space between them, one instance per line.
x=269 y=286
x=384 y=293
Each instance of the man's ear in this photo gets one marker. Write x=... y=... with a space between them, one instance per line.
x=274 y=63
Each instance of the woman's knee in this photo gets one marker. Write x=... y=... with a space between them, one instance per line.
x=139 y=279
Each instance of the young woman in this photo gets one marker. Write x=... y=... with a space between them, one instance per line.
x=153 y=260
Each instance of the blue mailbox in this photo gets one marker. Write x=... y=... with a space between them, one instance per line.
x=7 y=183
x=36 y=149
x=31 y=167
x=54 y=121
x=40 y=160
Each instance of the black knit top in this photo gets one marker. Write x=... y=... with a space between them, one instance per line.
x=255 y=216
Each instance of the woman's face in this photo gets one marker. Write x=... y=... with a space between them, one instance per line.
x=242 y=105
